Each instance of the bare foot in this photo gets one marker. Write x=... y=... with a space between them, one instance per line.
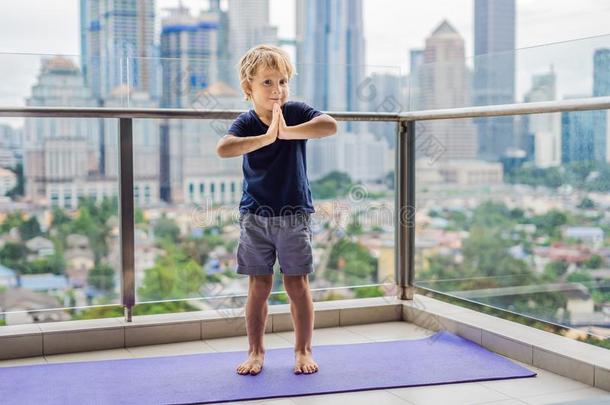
x=253 y=365
x=304 y=363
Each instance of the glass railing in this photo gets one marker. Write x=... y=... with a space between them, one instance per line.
x=197 y=232
x=185 y=197
x=59 y=227
x=511 y=210
x=518 y=225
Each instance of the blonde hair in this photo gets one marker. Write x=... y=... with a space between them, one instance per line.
x=265 y=56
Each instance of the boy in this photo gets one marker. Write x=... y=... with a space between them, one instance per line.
x=275 y=209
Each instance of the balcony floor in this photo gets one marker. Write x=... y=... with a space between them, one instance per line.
x=545 y=388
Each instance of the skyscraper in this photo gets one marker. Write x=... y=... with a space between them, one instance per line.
x=192 y=49
x=494 y=72
x=59 y=153
x=330 y=61
x=601 y=88
x=191 y=171
x=544 y=128
x=362 y=156
x=330 y=53
x=248 y=26
x=189 y=52
x=578 y=134
x=224 y=56
x=416 y=61
x=145 y=146
x=117 y=43
x=443 y=82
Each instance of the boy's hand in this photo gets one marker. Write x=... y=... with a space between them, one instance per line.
x=283 y=128
x=272 y=132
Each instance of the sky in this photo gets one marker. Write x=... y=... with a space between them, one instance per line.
x=391 y=27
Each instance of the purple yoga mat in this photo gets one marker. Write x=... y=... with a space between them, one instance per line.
x=211 y=377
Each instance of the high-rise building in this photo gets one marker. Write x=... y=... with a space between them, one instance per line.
x=330 y=53
x=416 y=61
x=190 y=169
x=145 y=146
x=601 y=88
x=601 y=72
x=494 y=72
x=578 y=134
x=362 y=156
x=225 y=71
x=444 y=83
x=194 y=62
x=248 y=26
x=545 y=129
x=385 y=96
x=60 y=154
x=190 y=55
x=117 y=45
x=11 y=146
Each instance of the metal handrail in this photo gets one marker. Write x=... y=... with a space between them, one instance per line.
x=580 y=104
x=541 y=107
x=404 y=218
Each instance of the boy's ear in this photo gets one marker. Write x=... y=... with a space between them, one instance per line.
x=247 y=91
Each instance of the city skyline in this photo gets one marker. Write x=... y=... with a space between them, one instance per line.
x=536 y=24
x=573 y=76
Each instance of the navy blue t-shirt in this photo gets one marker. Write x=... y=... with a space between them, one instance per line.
x=275 y=176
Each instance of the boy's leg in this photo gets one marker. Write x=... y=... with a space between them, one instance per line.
x=259 y=290
x=301 y=308
x=256 y=317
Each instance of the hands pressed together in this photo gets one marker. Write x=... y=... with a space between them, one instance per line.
x=278 y=128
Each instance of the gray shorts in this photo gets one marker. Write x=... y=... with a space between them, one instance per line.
x=262 y=237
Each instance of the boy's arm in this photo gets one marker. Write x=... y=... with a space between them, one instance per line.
x=318 y=127
x=231 y=145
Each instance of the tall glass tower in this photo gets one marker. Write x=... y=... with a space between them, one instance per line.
x=494 y=72
x=330 y=53
x=117 y=43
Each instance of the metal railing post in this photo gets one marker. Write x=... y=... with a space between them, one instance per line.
x=126 y=216
x=404 y=217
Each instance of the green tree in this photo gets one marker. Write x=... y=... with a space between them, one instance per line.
x=12 y=220
x=49 y=264
x=550 y=223
x=92 y=221
x=491 y=214
x=12 y=255
x=59 y=217
x=166 y=228
x=101 y=277
x=30 y=228
x=174 y=276
x=354 y=227
x=360 y=264
x=594 y=262
x=487 y=252
x=139 y=216
x=368 y=292
x=586 y=203
x=358 y=271
x=333 y=185
x=18 y=190
x=156 y=308
x=579 y=277
x=554 y=270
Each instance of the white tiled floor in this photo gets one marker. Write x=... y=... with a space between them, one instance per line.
x=545 y=388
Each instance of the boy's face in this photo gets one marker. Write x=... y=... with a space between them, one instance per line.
x=268 y=87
